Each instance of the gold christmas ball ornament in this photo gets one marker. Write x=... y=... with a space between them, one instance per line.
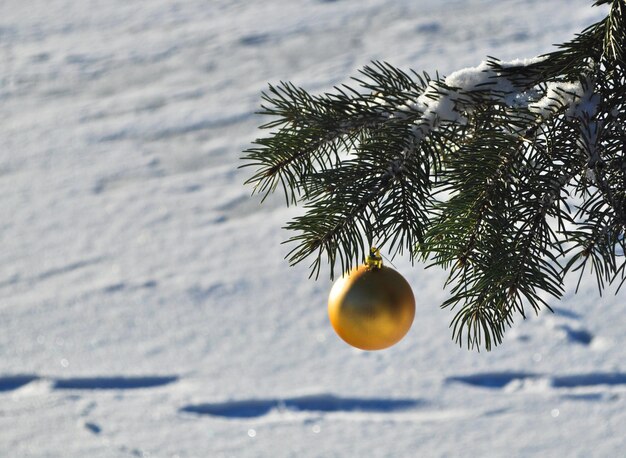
x=372 y=307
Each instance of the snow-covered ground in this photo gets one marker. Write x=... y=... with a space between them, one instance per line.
x=145 y=306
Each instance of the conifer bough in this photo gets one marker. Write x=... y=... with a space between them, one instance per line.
x=508 y=175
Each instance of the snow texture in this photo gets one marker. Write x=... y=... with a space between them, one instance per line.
x=558 y=95
x=146 y=309
x=449 y=101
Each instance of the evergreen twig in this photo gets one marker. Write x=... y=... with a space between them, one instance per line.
x=508 y=175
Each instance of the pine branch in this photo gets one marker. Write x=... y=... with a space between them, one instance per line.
x=508 y=175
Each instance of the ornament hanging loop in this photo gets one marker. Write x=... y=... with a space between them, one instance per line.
x=374 y=260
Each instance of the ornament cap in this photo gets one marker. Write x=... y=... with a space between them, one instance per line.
x=374 y=260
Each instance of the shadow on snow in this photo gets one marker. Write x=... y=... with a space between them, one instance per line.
x=501 y=379
x=315 y=403
x=13 y=382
